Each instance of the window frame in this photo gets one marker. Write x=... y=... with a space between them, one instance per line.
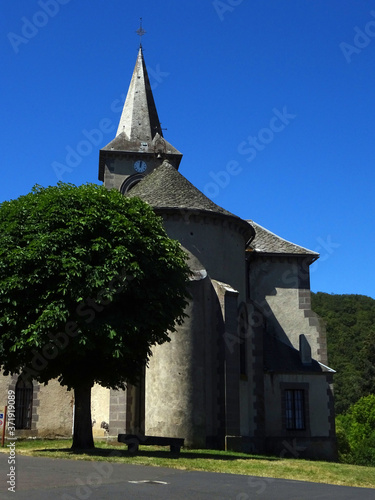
x=301 y=421
x=23 y=404
x=295 y=413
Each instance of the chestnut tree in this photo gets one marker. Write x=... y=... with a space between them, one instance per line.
x=89 y=282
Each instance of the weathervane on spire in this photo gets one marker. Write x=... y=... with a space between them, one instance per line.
x=140 y=32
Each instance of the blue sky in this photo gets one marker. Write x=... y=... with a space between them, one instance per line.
x=271 y=102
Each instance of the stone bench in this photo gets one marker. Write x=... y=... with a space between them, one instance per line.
x=134 y=440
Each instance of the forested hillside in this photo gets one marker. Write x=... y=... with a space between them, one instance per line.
x=350 y=322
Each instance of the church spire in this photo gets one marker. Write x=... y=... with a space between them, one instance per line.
x=139 y=119
x=139 y=146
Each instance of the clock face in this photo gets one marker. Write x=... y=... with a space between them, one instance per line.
x=140 y=166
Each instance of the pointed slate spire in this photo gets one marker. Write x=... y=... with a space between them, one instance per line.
x=139 y=135
x=139 y=119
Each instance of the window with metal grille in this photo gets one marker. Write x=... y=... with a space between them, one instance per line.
x=295 y=409
x=24 y=403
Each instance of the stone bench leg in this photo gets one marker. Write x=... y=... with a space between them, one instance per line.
x=133 y=447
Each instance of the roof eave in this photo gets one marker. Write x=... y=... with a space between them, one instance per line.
x=312 y=256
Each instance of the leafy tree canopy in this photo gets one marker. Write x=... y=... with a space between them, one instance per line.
x=356 y=432
x=350 y=323
x=89 y=281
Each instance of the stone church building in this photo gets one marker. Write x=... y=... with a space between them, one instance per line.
x=248 y=368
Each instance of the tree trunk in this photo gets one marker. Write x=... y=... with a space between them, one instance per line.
x=82 y=434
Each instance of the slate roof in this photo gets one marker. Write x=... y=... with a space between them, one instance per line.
x=270 y=243
x=281 y=358
x=139 y=118
x=165 y=189
x=122 y=143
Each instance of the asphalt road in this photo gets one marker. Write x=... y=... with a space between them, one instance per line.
x=46 y=478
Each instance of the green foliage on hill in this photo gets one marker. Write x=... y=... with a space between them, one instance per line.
x=350 y=323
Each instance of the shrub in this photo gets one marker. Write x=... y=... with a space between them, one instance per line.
x=355 y=433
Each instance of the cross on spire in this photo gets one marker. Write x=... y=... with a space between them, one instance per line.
x=140 y=32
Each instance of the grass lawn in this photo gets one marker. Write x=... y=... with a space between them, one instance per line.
x=207 y=460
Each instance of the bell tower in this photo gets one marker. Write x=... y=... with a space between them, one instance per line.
x=139 y=146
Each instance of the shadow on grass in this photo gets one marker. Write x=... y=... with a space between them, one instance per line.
x=166 y=454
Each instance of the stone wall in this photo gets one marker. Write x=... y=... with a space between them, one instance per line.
x=216 y=242
x=53 y=407
x=100 y=399
x=279 y=286
x=119 y=167
x=317 y=440
x=178 y=379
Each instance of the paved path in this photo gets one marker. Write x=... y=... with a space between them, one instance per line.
x=47 y=478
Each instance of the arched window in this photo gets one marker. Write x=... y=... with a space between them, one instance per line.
x=24 y=403
x=130 y=182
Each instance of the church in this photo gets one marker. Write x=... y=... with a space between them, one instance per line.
x=247 y=370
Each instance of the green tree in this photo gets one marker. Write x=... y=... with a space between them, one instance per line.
x=367 y=363
x=89 y=282
x=350 y=323
x=356 y=432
